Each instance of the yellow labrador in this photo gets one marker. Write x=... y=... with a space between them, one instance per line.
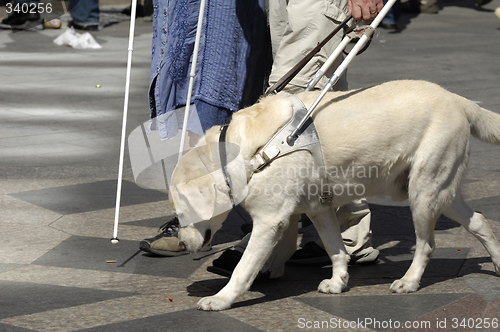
x=406 y=139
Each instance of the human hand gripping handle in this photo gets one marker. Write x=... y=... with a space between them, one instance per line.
x=364 y=9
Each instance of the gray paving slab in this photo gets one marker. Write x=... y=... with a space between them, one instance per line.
x=10 y=328
x=444 y=261
x=488 y=206
x=7 y=267
x=150 y=222
x=381 y=309
x=21 y=298
x=80 y=252
x=188 y=320
x=89 y=196
x=397 y=221
x=488 y=288
x=392 y=264
x=64 y=100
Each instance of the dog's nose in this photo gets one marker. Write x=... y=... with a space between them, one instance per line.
x=182 y=246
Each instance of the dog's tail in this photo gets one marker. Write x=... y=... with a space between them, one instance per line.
x=485 y=125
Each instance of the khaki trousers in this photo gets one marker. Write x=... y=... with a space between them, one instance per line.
x=354 y=220
x=296 y=27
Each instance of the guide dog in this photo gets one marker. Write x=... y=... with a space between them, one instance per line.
x=414 y=133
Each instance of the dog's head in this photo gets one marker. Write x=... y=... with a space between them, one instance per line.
x=199 y=191
x=196 y=201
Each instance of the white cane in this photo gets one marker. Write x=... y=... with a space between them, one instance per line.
x=191 y=76
x=115 y=240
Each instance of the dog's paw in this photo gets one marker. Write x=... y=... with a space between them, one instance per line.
x=402 y=286
x=333 y=286
x=214 y=303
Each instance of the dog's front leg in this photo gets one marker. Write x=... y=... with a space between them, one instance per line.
x=265 y=235
x=326 y=224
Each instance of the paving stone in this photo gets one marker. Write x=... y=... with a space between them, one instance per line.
x=373 y=309
x=21 y=298
x=89 y=197
x=187 y=320
x=79 y=252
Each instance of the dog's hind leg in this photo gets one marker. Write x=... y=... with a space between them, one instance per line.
x=434 y=177
x=425 y=245
x=425 y=212
x=477 y=225
x=326 y=224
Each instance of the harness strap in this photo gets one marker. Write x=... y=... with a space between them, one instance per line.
x=307 y=140
x=223 y=161
x=277 y=146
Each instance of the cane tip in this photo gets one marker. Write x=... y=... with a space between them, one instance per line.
x=114 y=240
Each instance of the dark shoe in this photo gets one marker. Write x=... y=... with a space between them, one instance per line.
x=388 y=26
x=482 y=2
x=411 y=7
x=166 y=243
x=429 y=7
x=20 y=18
x=366 y=259
x=139 y=11
x=226 y=263
x=33 y=25
x=22 y=21
x=246 y=228
x=311 y=254
x=94 y=26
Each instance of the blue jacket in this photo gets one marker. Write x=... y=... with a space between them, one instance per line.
x=233 y=60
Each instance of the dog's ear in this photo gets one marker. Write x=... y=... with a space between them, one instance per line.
x=201 y=196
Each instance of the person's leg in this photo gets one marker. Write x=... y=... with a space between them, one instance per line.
x=307 y=24
x=390 y=20
x=354 y=220
x=166 y=243
x=274 y=266
x=85 y=13
x=296 y=27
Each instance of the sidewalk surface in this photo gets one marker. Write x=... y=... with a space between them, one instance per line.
x=59 y=152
